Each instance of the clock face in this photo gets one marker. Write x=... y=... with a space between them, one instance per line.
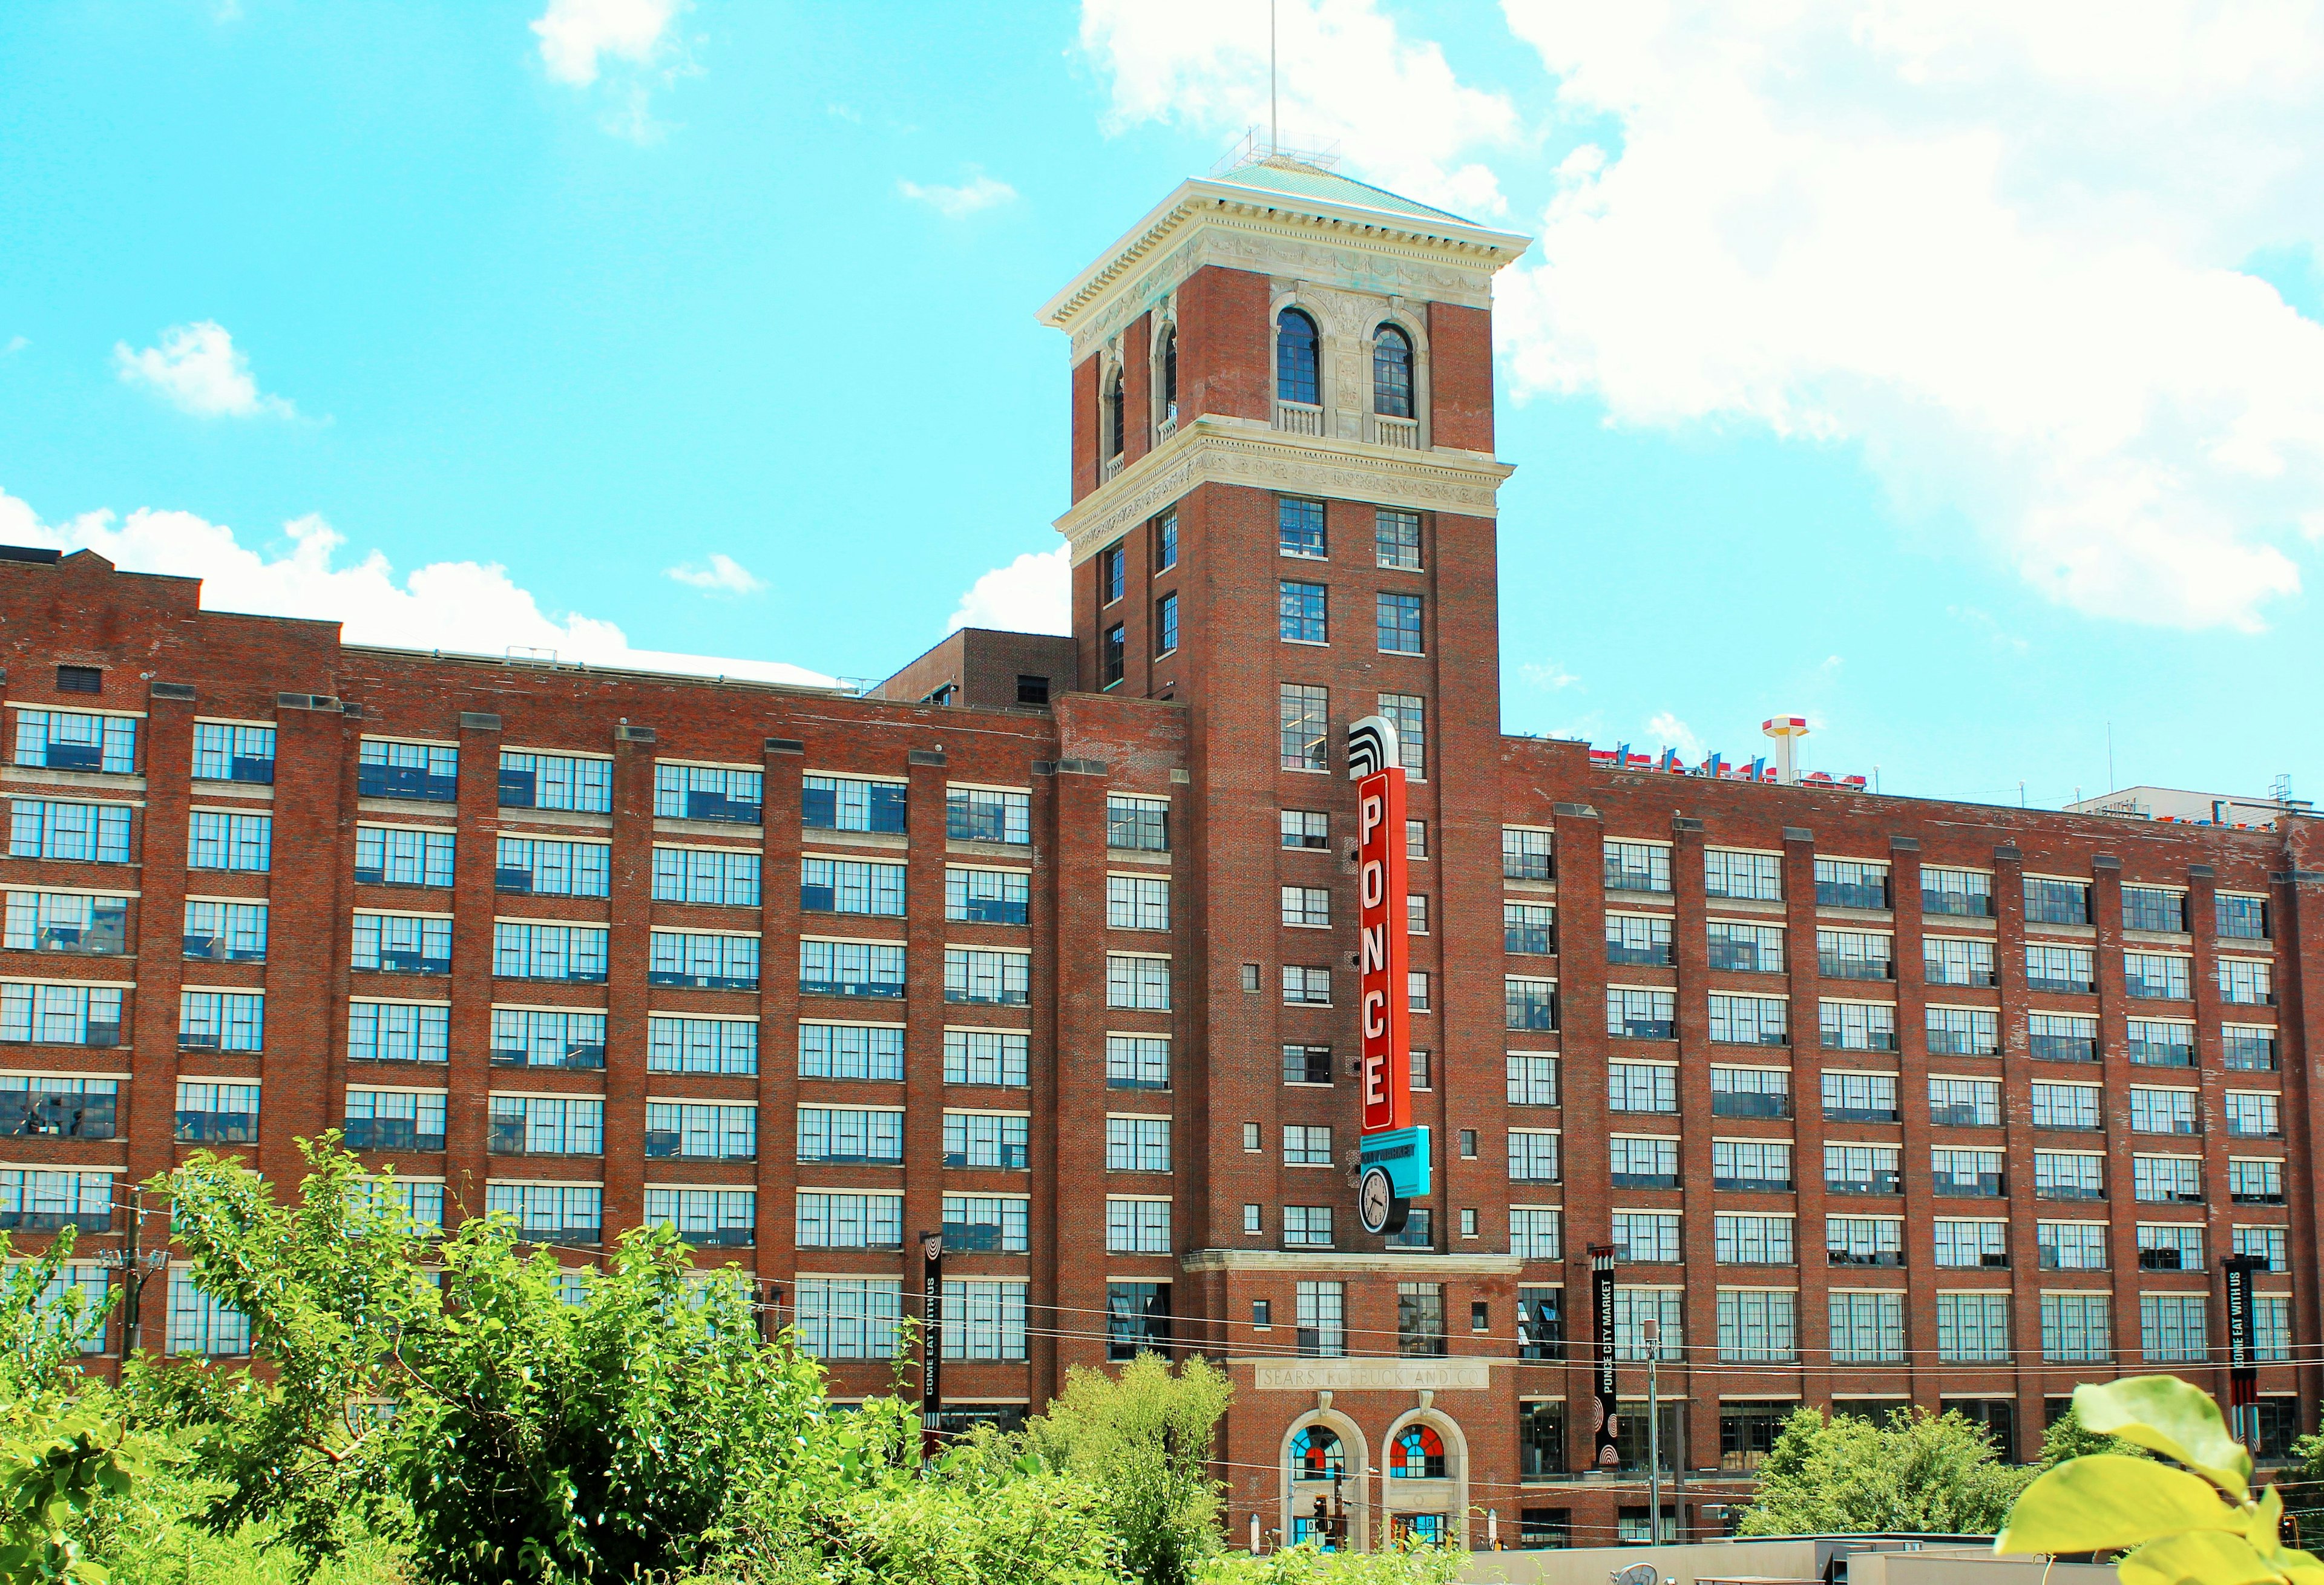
x=1375 y=1202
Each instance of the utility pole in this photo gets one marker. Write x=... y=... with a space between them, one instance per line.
x=136 y=1269
x=1651 y=1327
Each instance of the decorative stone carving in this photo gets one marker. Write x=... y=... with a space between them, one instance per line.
x=1372 y=1374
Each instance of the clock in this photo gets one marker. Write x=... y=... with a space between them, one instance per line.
x=1382 y=1210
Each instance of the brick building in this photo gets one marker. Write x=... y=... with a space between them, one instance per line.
x=1073 y=921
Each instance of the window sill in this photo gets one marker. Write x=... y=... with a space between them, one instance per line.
x=1310 y=643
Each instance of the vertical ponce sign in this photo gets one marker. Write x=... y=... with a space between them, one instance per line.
x=1608 y=1455
x=1393 y=1169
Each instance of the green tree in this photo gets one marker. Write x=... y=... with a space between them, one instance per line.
x=1144 y=1438
x=2068 y=1438
x=1914 y=1471
x=1404 y=1563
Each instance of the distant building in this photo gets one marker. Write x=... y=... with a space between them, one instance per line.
x=2201 y=808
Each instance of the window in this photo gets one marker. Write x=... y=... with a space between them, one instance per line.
x=1963 y=1031
x=1408 y=714
x=2064 y=969
x=401 y=943
x=207 y=1020
x=2060 y=1175
x=555 y=781
x=388 y=855
x=1306 y=987
x=2062 y=1037
x=2170 y=1246
x=429 y=772
x=538 y=867
x=1416 y=991
x=538 y=1038
x=1307 y=907
x=2245 y=981
x=61 y=739
x=1415 y=914
x=1541 y=1442
x=1761 y=1164
x=987 y=896
x=49 y=829
x=572 y=952
x=1166 y=527
x=1650 y=1236
x=2159 y=1045
x=2156 y=976
x=377 y=1120
x=1530 y=928
x=1136 y=824
x=850 y=1222
x=1526 y=854
x=215 y=841
x=1166 y=624
x=1954 y=959
x=1637 y=866
x=1756 y=877
x=2149 y=908
x=36 y=1202
x=1137 y=1318
x=2161 y=1111
x=986 y=1056
x=2057 y=902
x=2077 y=1328
x=841 y=802
x=1415 y=839
x=1965 y=1103
x=49 y=1105
x=851 y=968
x=976 y=813
x=1399 y=625
x=1750 y=1020
x=1850 y=883
x=1299 y=528
x=2252 y=1181
x=551 y=1212
x=2248 y=1048
x=1137 y=1062
x=1307 y=1064
x=874 y=1135
x=2168 y=1180
x=1113 y=561
x=1852 y=1097
x=79 y=922
x=1755 y=949
x=1638 y=939
x=1305 y=729
x=1860 y=1169
x=1973 y=1329
x=2067 y=1107
x=1533 y=1155
x=1641 y=1014
x=1395 y=537
x=993 y=978
x=1541 y=1324
x=1391 y=373
x=2254 y=1115
x=1632 y=1306
x=1632 y=1086
x=1300 y=608
x=2240 y=919
x=1142 y=1144
x=1754 y=1241
x=1532 y=1081
x=702 y=1132
x=1535 y=1233
x=1140 y=982
x=1639 y=1161
x=226 y=752
x=1529 y=1004
x=995 y=1223
x=397 y=1031
x=201 y=1323
x=1296 y=370
x=1419 y=1332
x=1137 y=1226
x=1751 y=1093
x=1756 y=1327
x=1972 y=1244
x=730 y=877
x=2267 y=1242
x=849 y=1317
x=1867 y=1328
x=1977 y=1173
x=2170 y=1327
x=1320 y=1312
x=985 y=1139
x=1306 y=1145
x=73 y=1015
x=546 y=1125
x=1864 y=1240
x=1306 y=829
x=2070 y=1246
x=826 y=1051
x=1112 y=656
x=1307 y=1227
x=2271 y=1340
x=1958 y=893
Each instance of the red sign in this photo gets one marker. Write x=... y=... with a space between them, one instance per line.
x=1384 y=990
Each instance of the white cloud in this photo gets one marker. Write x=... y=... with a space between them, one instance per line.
x=1032 y=595
x=471 y=607
x=1348 y=75
x=979 y=192
x=574 y=33
x=1547 y=676
x=1667 y=730
x=16 y=344
x=721 y=574
x=199 y=371
x=1995 y=246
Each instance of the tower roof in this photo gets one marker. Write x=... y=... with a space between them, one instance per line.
x=1298 y=178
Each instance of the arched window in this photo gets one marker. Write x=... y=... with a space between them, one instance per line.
x=1170 y=372
x=1417 y=1454
x=1113 y=416
x=1391 y=373
x=1316 y=1454
x=1294 y=359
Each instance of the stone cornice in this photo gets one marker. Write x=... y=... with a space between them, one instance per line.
x=1420 y=1263
x=1213 y=450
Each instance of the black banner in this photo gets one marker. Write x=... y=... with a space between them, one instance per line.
x=2243 y=1360
x=1607 y=1456
x=931 y=1340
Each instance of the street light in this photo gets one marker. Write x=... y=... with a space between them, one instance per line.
x=1652 y=1330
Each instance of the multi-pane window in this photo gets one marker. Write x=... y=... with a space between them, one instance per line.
x=402 y=944
x=1304 y=728
x=1299 y=524
x=1751 y=1164
x=1533 y=1155
x=1851 y=1097
x=546 y=1125
x=1113 y=655
x=847 y=803
x=2269 y=1243
x=2150 y=908
x=1142 y=1144
x=540 y=1037
x=57 y=1107
x=851 y=968
x=2251 y=1181
x=1307 y=1064
x=1641 y=1014
x=830 y=1221
x=1306 y=987
x=2156 y=1043
x=2253 y=1114
x=48 y=828
x=2240 y=919
x=1965 y=1103
x=986 y=897
x=402 y=855
x=1307 y=1227
x=1851 y=884
x=1526 y=854
x=1754 y=1241
x=227 y=750
x=378 y=1120
x=1956 y=960
x=1638 y=1161
x=1856 y=1026
x=2246 y=982
x=729 y=876
x=1535 y=1233
x=73 y=1015
x=1962 y=1244
x=1307 y=907
x=1137 y=1062
x=2271 y=1341
x=1408 y=714
x=581 y=783
x=37 y=1202
x=1855 y=955
x=1302 y=614
x=1632 y=1309
x=1396 y=540
x=2051 y=901
x=1303 y=1143
x=78 y=922
x=2067 y=1107
x=399 y=1031
x=1166 y=624
x=832 y=1050
x=2077 y=1328
x=2068 y=969
x=1420 y=1320
x=1650 y=1236
x=1138 y=824
x=2170 y=1245
x=2159 y=976
x=1530 y=928
x=1638 y=1086
x=2161 y=1111
x=524 y=951
x=207 y=1020
x=1137 y=1318
x=218 y=840
x=1399 y=625
x=1958 y=893
x=1750 y=1020
x=994 y=1223
x=1637 y=866
x=1864 y=1240
x=1528 y=1004
x=550 y=1213
x=1866 y=1328
x=201 y=1324
x=67 y=740
x=2170 y=1327
x=1132 y=981
x=211 y=1113
x=1320 y=1316
x=429 y=772
x=986 y=1056
x=1532 y=1081
x=88 y=1282
x=713 y=792
x=699 y=1131
x=2062 y=1174
x=2248 y=1048
x=538 y=866
x=2070 y=1246
x=849 y=1317
x=1757 y=1326
x=1860 y=1169
x=1137 y=1226
x=2167 y=1180
x=981 y=814
x=1754 y=877
x=1759 y=948
x=1977 y=1172
x=985 y=1139
x=1306 y=829
x=1751 y=1093
x=853 y=1133
x=1113 y=561
x=1973 y=1329
x=2062 y=1036
x=987 y=976
x=1638 y=939
x=1963 y=1031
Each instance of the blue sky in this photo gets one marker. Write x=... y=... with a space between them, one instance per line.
x=1954 y=380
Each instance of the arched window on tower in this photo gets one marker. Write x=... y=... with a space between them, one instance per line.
x=1316 y=1454
x=1170 y=376
x=1391 y=373
x=1296 y=368
x=1417 y=1454
x=1113 y=410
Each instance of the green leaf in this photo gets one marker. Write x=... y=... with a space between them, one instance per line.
x=2107 y=1500
x=2196 y=1557
x=2176 y=1419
